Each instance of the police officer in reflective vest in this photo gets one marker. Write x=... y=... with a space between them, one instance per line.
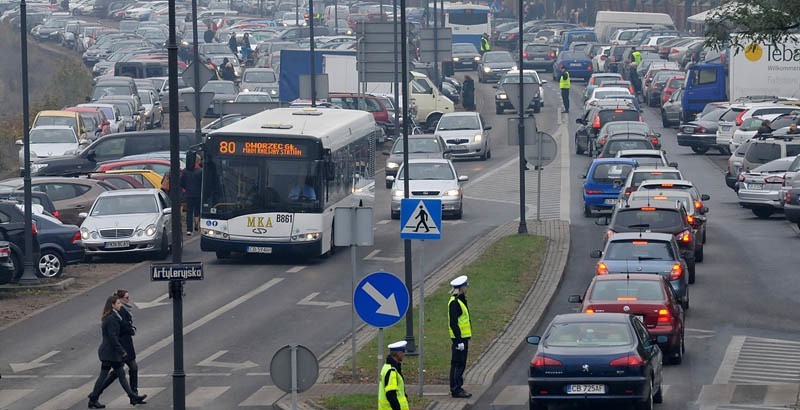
x=391 y=387
x=564 y=84
x=637 y=56
x=460 y=333
x=485 y=46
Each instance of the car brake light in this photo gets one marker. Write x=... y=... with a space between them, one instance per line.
x=639 y=242
x=698 y=204
x=654 y=141
x=629 y=360
x=739 y=117
x=596 y=123
x=525 y=55
x=627 y=299
x=690 y=219
x=56 y=215
x=788 y=198
x=541 y=360
x=602 y=269
x=33 y=228
x=664 y=317
x=648 y=208
x=667 y=185
x=684 y=236
x=618 y=111
x=593 y=192
x=511 y=36
x=700 y=130
x=676 y=272
x=589 y=311
x=5 y=252
x=603 y=141
x=75 y=238
x=774 y=179
x=589 y=67
x=552 y=54
x=591 y=81
x=660 y=197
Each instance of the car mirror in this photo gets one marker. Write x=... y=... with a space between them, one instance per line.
x=167 y=211
x=544 y=82
x=91 y=155
x=601 y=221
x=83 y=215
x=673 y=164
x=583 y=176
x=575 y=299
x=704 y=210
x=533 y=340
x=18 y=142
x=657 y=134
x=389 y=178
x=705 y=197
x=579 y=121
x=487 y=127
x=463 y=178
x=596 y=253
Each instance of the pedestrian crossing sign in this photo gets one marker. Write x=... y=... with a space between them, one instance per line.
x=420 y=219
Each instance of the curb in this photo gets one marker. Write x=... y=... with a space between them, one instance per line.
x=60 y=285
x=485 y=369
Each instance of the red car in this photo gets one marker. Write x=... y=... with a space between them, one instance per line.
x=159 y=166
x=96 y=116
x=673 y=83
x=647 y=296
x=365 y=102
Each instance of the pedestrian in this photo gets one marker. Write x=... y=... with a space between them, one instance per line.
x=191 y=183
x=233 y=44
x=564 y=85
x=208 y=35
x=246 y=46
x=468 y=93
x=226 y=70
x=187 y=18
x=764 y=129
x=485 y=46
x=636 y=55
x=633 y=77
x=391 y=386
x=112 y=354
x=793 y=129
x=126 y=332
x=460 y=333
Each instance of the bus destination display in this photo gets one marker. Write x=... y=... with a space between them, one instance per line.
x=262 y=148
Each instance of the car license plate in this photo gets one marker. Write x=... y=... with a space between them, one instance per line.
x=117 y=244
x=259 y=249
x=689 y=130
x=575 y=64
x=459 y=149
x=586 y=389
x=611 y=201
x=724 y=128
x=755 y=186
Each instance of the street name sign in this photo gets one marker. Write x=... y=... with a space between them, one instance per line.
x=176 y=271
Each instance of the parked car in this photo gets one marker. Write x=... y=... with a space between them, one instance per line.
x=68 y=118
x=49 y=140
x=12 y=231
x=420 y=146
x=260 y=79
x=158 y=166
x=37 y=198
x=700 y=134
x=430 y=179
x=7 y=274
x=153 y=114
x=466 y=134
x=70 y=196
x=673 y=84
x=602 y=184
x=59 y=243
x=764 y=149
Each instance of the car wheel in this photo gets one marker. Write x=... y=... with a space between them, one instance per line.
x=587 y=212
x=698 y=254
x=16 y=261
x=488 y=153
x=578 y=149
x=648 y=403
x=498 y=110
x=704 y=235
x=658 y=397
x=676 y=357
x=433 y=120
x=698 y=149
x=460 y=213
x=536 y=406
x=164 y=248
x=664 y=121
x=762 y=213
x=590 y=148
x=51 y=264
x=691 y=270
x=223 y=254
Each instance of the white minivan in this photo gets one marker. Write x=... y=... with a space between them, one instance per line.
x=430 y=102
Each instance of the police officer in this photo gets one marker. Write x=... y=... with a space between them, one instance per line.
x=391 y=387
x=460 y=333
x=485 y=46
x=637 y=56
x=564 y=84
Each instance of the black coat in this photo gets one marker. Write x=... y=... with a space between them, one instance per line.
x=192 y=182
x=468 y=95
x=126 y=332
x=111 y=349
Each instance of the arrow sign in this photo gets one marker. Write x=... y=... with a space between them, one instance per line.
x=156 y=302
x=210 y=362
x=33 y=364
x=308 y=301
x=381 y=299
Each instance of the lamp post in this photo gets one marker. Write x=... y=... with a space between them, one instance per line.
x=411 y=348
x=523 y=226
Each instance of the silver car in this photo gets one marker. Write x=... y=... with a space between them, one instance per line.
x=128 y=221
x=260 y=79
x=466 y=134
x=760 y=189
x=430 y=179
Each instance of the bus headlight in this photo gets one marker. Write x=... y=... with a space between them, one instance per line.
x=308 y=236
x=487 y=69
x=213 y=233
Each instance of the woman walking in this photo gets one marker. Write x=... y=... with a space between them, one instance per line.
x=126 y=332
x=112 y=354
x=468 y=94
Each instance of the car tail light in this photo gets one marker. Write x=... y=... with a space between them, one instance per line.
x=589 y=67
x=628 y=190
x=654 y=141
x=630 y=88
x=690 y=219
x=591 y=81
x=593 y=192
x=511 y=36
x=602 y=141
x=700 y=129
x=603 y=58
x=609 y=232
x=33 y=228
x=541 y=360
x=774 y=179
x=552 y=54
x=602 y=269
x=685 y=236
x=56 y=215
x=698 y=204
x=788 y=198
x=739 y=118
x=648 y=208
x=5 y=252
x=674 y=51
x=676 y=272
x=627 y=299
x=664 y=318
x=596 y=122
x=589 y=311
x=525 y=55
x=75 y=238
x=629 y=360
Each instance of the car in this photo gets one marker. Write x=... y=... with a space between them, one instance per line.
x=7 y=274
x=595 y=80
x=673 y=84
x=50 y=140
x=602 y=183
x=611 y=82
x=223 y=122
x=606 y=93
x=749 y=129
x=624 y=142
x=466 y=134
x=600 y=59
x=147 y=178
x=61 y=117
x=760 y=189
x=650 y=298
x=70 y=196
x=433 y=178
x=735 y=165
x=420 y=146
x=260 y=79
x=494 y=64
x=538 y=56
x=652 y=94
x=94 y=119
x=659 y=216
x=743 y=111
x=128 y=221
x=153 y=115
x=641 y=174
x=12 y=230
x=608 y=358
x=159 y=166
x=253 y=97
x=695 y=214
x=763 y=149
x=112 y=114
x=671 y=111
x=701 y=134
x=647 y=157
x=59 y=245
x=501 y=101
x=223 y=91
x=120 y=181
x=465 y=56
x=130 y=108
x=577 y=63
x=678 y=185
x=628 y=127
x=37 y=198
x=595 y=117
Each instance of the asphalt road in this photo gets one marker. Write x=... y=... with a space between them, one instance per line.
x=741 y=328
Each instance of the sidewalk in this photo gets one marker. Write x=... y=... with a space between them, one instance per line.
x=482 y=372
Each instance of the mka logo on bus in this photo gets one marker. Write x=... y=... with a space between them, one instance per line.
x=775 y=53
x=266 y=222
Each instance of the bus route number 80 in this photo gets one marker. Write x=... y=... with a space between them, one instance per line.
x=227 y=147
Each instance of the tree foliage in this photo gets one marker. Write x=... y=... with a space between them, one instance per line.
x=755 y=21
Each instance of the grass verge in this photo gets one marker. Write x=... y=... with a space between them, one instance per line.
x=364 y=401
x=499 y=280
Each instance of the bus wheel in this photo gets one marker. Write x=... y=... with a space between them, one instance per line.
x=223 y=254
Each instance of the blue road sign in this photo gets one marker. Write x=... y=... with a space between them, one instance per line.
x=420 y=218
x=381 y=299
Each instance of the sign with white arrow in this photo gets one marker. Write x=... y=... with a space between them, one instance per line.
x=381 y=299
x=211 y=362
x=33 y=364
x=156 y=302
x=309 y=301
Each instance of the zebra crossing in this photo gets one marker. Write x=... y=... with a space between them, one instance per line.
x=760 y=360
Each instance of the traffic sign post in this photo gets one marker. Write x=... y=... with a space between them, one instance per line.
x=381 y=300
x=512 y=92
x=205 y=100
x=294 y=369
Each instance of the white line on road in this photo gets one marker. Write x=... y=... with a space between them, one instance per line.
x=729 y=360
x=202 y=396
x=372 y=257
x=12 y=395
x=296 y=269
x=383 y=222
x=68 y=376
x=562 y=136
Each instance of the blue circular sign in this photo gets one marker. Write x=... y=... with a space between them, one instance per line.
x=381 y=299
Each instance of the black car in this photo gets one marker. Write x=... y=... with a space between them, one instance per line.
x=110 y=147
x=465 y=56
x=494 y=64
x=701 y=134
x=621 y=142
x=608 y=358
x=60 y=246
x=595 y=117
x=37 y=197
x=538 y=56
x=12 y=230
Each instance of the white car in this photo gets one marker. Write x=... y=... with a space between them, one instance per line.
x=128 y=221
x=607 y=92
x=466 y=134
x=434 y=178
x=647 y=157
x=49 y=141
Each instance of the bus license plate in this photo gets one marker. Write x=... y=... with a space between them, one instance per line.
x=259 y=249
x=117 y=244
x=586 y=389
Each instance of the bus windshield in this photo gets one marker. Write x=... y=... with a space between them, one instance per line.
x=467 y=17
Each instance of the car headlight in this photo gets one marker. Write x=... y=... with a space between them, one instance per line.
x=502 y=96
x=487 y=69
x=452 y=192
x=392 y=165
x=398 y=193
x=213 y=233
x=150 y=230
x=309 y=236
x=513 y=68
x=245 y=90
x=478 y=137
x=38 y=167
x=456 y=59
x=477 y=58
x=84 y=234
x=273 y=91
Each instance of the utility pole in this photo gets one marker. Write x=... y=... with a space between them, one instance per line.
x=523 y=226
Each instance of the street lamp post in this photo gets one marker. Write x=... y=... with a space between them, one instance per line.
x=523 y=226
x=411 y=348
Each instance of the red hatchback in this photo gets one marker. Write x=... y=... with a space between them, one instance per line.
x=646 y=296
x=365 y=102
x=673 y=83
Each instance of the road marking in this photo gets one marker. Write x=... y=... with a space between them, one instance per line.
x=566 y=182
x=296 y=269
x=11 y=395
x=729 y=360
x=308 y=301
x=67 y=399
x=700 y=333
x=202 y=396
x=755 y=360
x=372 y=257
x=210 y=362
x=68 y=376
x=257 y=374
x=33 y=364
x=124 y=402
x=383 y=222
x=265 y=396
x=155 y=302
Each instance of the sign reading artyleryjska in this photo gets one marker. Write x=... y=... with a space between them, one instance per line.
x=176 y=271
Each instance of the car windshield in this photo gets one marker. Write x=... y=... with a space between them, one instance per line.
x=104 y=90
x=124 y=205
x=538 y=48
x=617 y=145
x=572 y=55
x=458 y=122
x=146 y=97
x=51 y=136
x=428 y=171
x=653 y=219
x=219 y=88
x=417 y=146
x=677 y=83
x=253 y=98
x=642 y=250
x=628 y=290
x=638 y=177
x=55 y=120
x=514 y=78
x=646 y=160
x=588 y=334
x=464 y=48
x=498 y=58
x=255 y=76
x=627 y=127
x=608 y=173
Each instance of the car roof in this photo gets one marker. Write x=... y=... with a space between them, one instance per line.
x=627 y=236
x=460 y=114
x=57 y=113
x=53 y=127
x=599 y=161
x=428 y=160
x=594 y=317
x=655 y=169
x=124 y=192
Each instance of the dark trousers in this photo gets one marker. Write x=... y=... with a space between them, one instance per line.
x=565 y=98
x=192 y=210
x=105 y=369
x=133 y=375
x=458 y=363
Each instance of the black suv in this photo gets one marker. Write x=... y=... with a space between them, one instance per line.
x=597 y=115
x=12 y=230
x=646 y=215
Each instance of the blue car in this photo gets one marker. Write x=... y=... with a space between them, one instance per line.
x=607 y=358
x=577 y=63
x=600 y=188
x=60 y=246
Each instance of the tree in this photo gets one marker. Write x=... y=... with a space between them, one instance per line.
x=755 y=21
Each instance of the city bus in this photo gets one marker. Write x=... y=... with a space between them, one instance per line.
x=468 y=21
x=271 y=181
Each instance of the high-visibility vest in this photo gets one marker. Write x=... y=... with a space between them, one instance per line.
x=637 y=57
x=485 y=46
x=395 y=382
x=464 y=324
x=562 y=82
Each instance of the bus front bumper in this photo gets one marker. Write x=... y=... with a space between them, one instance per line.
x=264 y=248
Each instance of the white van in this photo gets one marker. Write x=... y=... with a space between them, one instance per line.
x=607 y=22
x=430 y=102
